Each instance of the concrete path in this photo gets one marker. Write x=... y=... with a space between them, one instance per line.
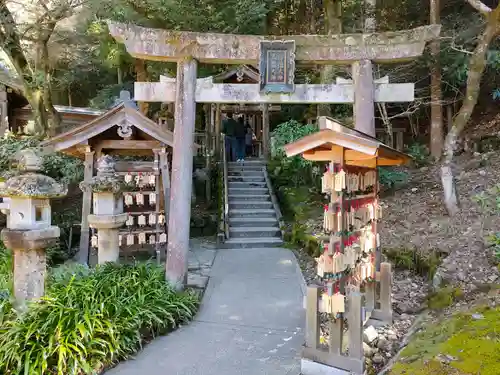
x=251 y=322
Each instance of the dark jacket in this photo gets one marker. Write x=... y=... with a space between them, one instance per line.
x=229 y=126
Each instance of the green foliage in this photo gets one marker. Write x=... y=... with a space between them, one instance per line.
x=5 y=271
x=489 y=203
x=419 y=153
x=294 y=171
x=92 y=318
x=63 y=168
x=391 y=177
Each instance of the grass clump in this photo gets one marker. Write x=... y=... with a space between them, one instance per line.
x=422 y=263
x=90 y=319
x=444 y=298
x=465 y=344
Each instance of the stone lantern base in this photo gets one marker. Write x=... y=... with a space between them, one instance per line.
x=28 y=247
x=107 y=239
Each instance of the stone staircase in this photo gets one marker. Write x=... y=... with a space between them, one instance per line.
x=252 y=218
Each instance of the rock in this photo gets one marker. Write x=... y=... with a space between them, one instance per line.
x=368 y=350
x=378 y=359
x=392 y=337
x=384 y=344
x=370 y=334
x=477 y=316
x=424 y=169
x=414 y=190
x=482 y=172
x=473 y=164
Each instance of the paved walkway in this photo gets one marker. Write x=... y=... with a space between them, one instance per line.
x=251 y=322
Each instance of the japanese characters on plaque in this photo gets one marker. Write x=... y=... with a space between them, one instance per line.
x=277 y=66
x=349 y=256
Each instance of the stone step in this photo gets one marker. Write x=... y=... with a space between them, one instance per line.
x=250 y=204
x=246 y=179
x=252 y=221
x=246 y=185
x=253 y=232
x=249 y=197
x=251 y=212
x=248 y=163
x=260 y=242
x=248 y=191
x=244 y=172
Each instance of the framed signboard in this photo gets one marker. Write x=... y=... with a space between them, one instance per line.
x=277 y=66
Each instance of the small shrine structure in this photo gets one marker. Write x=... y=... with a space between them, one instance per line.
x=123 y=131
x=356 y=284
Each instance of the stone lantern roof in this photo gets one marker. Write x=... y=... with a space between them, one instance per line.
x=30 y=184
x=106 y=181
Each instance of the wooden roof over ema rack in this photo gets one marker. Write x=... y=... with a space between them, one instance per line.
x=122 y=130
x=335 y=140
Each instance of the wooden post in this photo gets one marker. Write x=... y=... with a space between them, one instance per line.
x=385 y=311
x=217 y=128
x=165 y=181
x=449 y=116
x=265 y=131
x=182 y=174
x=312 y=318
x=337 y=326
x=83 y=253
x=4 y=115
x=364 y=98
x=356 y=329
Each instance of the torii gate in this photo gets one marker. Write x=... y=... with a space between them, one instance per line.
x=342 y=92
x=277 y=56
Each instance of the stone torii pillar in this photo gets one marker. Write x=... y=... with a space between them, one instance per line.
x=182 y=172
x=29 y=231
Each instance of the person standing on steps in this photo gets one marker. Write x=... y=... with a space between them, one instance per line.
x=240 y=134
x=248 y=140
x=229 y=126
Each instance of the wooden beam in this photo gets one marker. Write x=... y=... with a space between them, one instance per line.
x=167 y=45
x=248 y=93
x=83 y=253
x=125 y=144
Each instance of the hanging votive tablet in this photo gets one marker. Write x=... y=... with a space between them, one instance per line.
x=152 y=239
x=130 y=221
x=93 y=241
x=152 y=179
x=152 y=219
x=163 y=238
x=138 y=180
x=340 y=181
x=142 y=238
x=129 y=200
x=161 y=219
x=152 y=198
x=128 y=178
x=130 y=239
x=141 y=220
x=120 y=240
x=139 y=198
x=337 y=304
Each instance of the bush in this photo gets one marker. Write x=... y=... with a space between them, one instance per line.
x=390 y=177
x=91 y=319
x=295 y=171
x=419 y=153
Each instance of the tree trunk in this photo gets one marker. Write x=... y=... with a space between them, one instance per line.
x=477 y=65
x=370 y=16
x=436 y=95
x=333 y=22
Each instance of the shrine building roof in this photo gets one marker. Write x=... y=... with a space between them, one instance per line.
x=122 y=125
x=334 y=141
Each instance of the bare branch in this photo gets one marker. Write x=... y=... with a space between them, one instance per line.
x=480 y=6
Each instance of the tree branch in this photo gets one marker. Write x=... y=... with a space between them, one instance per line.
x=480 y=6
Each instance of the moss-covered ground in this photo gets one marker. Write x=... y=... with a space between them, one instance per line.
x=464 y=344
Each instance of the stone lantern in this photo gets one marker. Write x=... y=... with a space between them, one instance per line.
x=108 y=216
x=29 y=229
